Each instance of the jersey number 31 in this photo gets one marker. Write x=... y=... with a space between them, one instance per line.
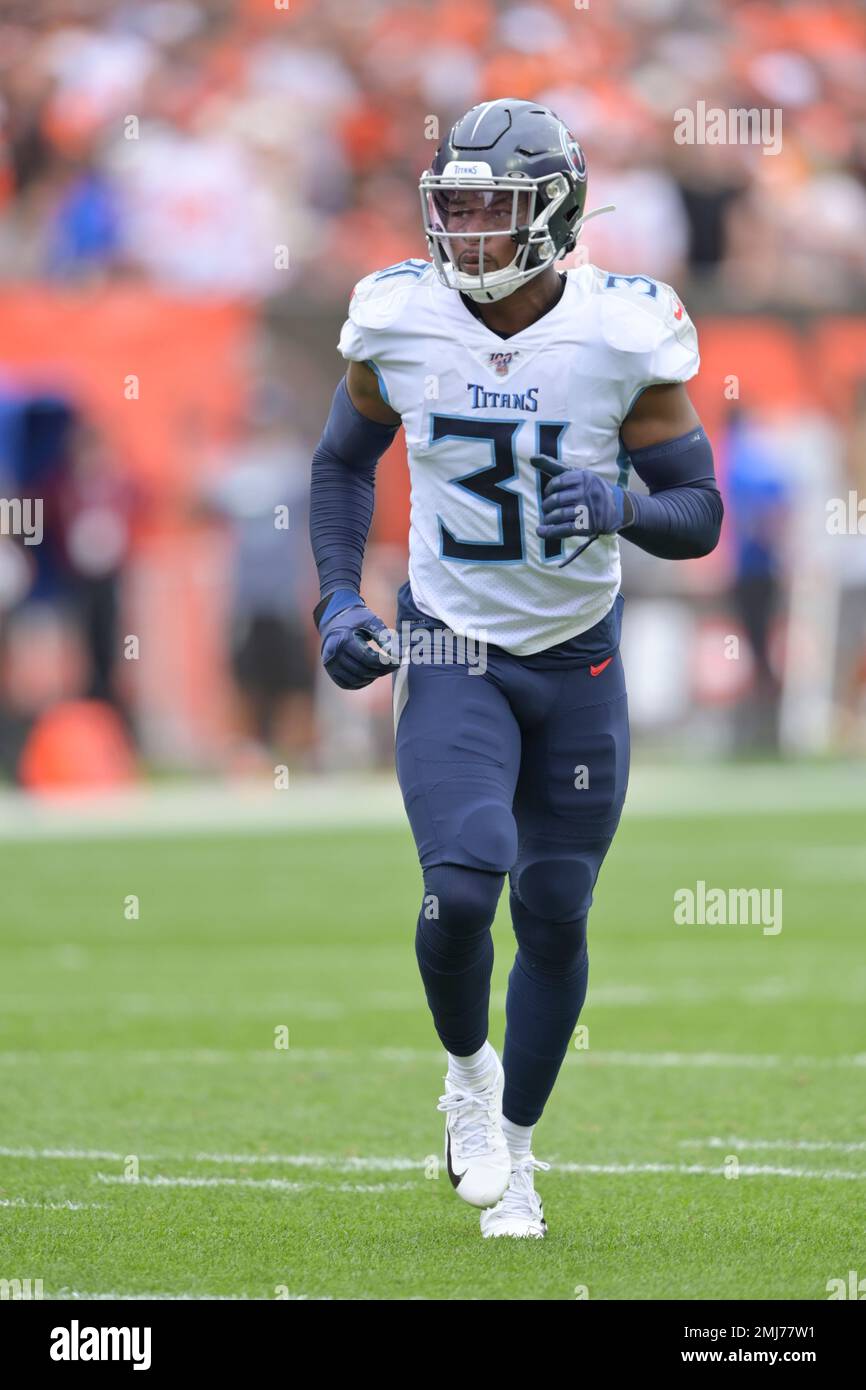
x=487 y=483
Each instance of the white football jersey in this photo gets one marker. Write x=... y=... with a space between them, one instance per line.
x=476 y=407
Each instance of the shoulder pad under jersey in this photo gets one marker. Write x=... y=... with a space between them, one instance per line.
x=646 y=319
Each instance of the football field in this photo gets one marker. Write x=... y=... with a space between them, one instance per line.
x=218 y=1074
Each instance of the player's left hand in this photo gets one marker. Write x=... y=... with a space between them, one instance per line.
x=577 y=502
x=347 y=627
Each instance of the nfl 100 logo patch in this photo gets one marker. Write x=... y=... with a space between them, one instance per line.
x=501 y=361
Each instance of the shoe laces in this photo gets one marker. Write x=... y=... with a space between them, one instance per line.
x=475 y=1122
x=521 y=1189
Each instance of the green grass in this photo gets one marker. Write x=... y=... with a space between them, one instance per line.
x=155 y=1038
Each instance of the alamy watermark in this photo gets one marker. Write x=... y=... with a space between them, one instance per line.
x=18 y=1289
x=713 y=907
x=852 y=1287
x=846 y=516
x=77 y=1343
x=432 y=646
x=22 y=516
x=737 y=126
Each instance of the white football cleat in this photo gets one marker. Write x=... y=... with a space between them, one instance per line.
x=476 y=1154
x=520 y=1212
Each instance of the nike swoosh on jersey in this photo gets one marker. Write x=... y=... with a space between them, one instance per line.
x=597 y=670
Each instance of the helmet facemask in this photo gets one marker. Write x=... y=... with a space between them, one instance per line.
x=534 y=205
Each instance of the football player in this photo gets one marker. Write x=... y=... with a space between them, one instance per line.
x=526 y=395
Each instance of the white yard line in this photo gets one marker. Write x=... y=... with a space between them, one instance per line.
x=748 y=1170
x=328 y=1055
x=86 y=1154
x=357 y=1164
x=757 y=1061
x=332 y=1163
x=161 y=1180
x=51 y=1206
x=70 y=1294
x=342 y=1165
x=613 y=995
x=791 y=1145
x=270 y=1184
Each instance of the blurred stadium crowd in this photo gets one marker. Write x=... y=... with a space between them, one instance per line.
x=254 y=126
x=177 y=148
x=306 y=127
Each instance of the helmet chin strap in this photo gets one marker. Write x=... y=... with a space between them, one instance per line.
x=491 y=291
x=596 y=212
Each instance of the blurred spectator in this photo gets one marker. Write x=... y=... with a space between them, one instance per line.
x=97 y=504
x=759 y=504
x=84 y=232
x=263 y=494
x=59 y=598
x=852 y=561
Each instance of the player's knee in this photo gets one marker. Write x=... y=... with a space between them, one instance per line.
x=556 y=890
x=488 y=836
x=547 y=948
x=460 y=901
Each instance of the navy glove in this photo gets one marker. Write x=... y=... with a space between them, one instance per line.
x=604 y=508
x=346 y=624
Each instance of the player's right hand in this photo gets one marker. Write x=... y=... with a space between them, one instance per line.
x=346 y=626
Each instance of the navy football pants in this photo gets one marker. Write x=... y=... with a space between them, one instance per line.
x=518 y=771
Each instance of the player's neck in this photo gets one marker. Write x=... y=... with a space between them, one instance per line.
x=522 y=308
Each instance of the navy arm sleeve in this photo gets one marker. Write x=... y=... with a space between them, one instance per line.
x=682 y=517
x=342 y=491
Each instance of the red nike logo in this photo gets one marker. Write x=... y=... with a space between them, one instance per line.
x=597 y=670
x=678 y=311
